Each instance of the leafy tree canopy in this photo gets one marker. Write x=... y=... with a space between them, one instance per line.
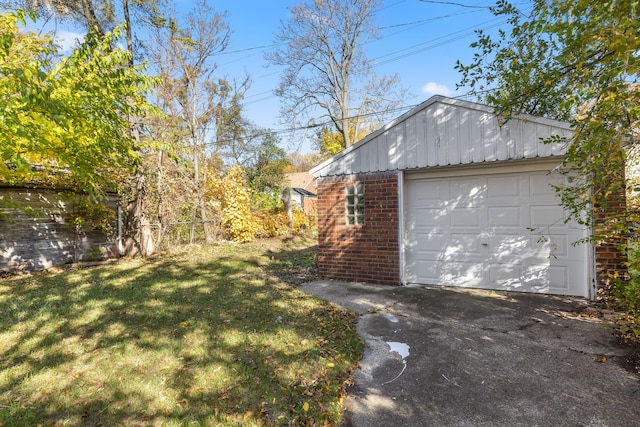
x=66 y=119
x=575 y=61
x=329 y=143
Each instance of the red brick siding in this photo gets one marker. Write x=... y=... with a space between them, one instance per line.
x=368 y=253
x=610 y=261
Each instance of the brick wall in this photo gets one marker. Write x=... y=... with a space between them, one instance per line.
x=610 y=261
x=368 y=253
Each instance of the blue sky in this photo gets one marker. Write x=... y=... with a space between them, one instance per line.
x=419 y=40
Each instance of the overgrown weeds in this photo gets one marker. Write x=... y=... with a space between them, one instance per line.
x=624 y=295
x=204 y=335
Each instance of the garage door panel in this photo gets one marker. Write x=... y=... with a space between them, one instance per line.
x=430 y=217
x=547 y=216
x=435 y=243
x=551 y=245
x=540 y=183
x=504 y=216
x=467 y=244
x=559 y=277
x=547 y=278
x=434 y=190
x=504 y=187
x=509 y=246
x=465 y=216
x=467 y=274
x=467 y=192
x=428 y=273
x=494 y=231
x=506 y=276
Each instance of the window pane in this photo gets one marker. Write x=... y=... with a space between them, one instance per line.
x=354 y=204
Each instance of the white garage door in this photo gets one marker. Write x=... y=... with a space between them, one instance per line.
x=501 y=231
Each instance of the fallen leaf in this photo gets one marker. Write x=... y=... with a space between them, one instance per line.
x=305 y=407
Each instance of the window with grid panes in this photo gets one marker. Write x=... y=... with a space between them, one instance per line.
x=355 y=204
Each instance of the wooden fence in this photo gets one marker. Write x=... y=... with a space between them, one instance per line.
x=38 y=229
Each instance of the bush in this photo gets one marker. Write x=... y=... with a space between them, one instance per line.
x=271 y=223
x=626 y=295
x=237 y=218
x=275 y=222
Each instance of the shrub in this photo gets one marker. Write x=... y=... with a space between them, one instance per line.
x=271 y=223
x=237 y=218
x=626 y=295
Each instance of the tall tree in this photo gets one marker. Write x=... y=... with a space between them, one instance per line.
x=99 y=16
x=327 y=75
x=205 y=106
x=303 y=162
x=266 y=171
x=67 y=116
x=575 y=61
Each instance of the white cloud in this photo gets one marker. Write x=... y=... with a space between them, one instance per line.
x=67 y=40
x=433 y=88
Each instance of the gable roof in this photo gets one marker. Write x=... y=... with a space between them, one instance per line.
x=302 y=180
x=445 y=132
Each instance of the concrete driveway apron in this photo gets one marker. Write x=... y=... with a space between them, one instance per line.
x=437 y=356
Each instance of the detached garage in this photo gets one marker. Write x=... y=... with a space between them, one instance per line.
x=444 y=195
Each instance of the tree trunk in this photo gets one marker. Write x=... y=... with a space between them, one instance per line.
x=134 y=218
x=127 y=22
x=159 y=189
x=208 y=234
x=90 y=15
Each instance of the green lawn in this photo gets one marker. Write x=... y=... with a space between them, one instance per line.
x=207 y=335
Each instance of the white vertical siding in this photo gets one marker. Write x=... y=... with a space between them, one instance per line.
x=442 y=132
x=411 y=125
x=420 y=120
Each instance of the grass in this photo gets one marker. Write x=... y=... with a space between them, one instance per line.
x=210 y=335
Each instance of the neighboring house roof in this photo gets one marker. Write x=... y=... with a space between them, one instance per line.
x=303 y=180
x=445 y=132
x=303 y=192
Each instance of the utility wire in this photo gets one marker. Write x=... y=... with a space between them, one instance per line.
x=265 y=132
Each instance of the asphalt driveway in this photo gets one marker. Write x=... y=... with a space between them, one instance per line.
x=438 y=356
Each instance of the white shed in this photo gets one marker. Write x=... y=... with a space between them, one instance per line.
x=469 y=199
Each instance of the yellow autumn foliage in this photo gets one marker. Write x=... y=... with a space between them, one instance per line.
x=235 y=202
x=242 y=222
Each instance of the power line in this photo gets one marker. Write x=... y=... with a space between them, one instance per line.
x=447 y=39
x=456 y=4
x=282 y=131
x=266 y=132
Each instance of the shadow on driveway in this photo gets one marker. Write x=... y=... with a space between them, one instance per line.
x=438 y=356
